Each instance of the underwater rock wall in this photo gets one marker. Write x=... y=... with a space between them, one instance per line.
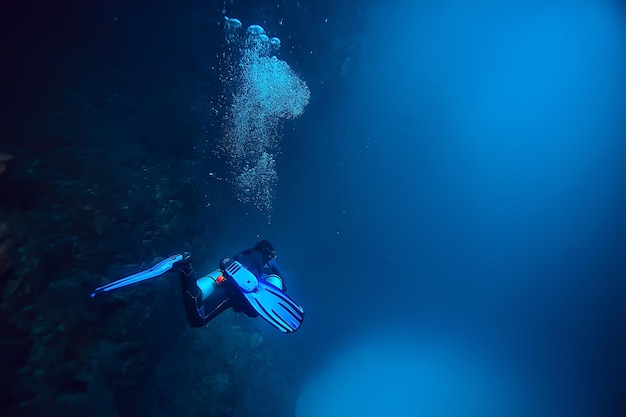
x=69 y=234
x=90 y=193
x=103 y=173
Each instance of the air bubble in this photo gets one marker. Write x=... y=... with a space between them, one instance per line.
x=232 y=23
x=255 y=30
x=275 y=42
x=264 y=91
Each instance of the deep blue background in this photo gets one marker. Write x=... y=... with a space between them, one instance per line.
x=469 y=189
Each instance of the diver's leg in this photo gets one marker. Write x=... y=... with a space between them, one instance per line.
x=205 y=298
x=192 y=295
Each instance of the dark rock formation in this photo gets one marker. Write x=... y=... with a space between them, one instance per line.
x=102 y=173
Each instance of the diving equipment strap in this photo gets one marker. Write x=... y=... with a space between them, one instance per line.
x=158 y=269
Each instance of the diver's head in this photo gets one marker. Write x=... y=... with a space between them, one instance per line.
x=266 y=247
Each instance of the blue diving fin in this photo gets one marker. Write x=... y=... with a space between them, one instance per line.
x=276 y=307
x=158 y=269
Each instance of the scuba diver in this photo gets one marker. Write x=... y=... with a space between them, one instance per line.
x=249 y=282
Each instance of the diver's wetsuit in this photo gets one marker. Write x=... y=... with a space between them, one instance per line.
x=258 y=260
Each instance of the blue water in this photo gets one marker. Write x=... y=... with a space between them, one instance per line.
x=459 y=212
x=443 y=181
